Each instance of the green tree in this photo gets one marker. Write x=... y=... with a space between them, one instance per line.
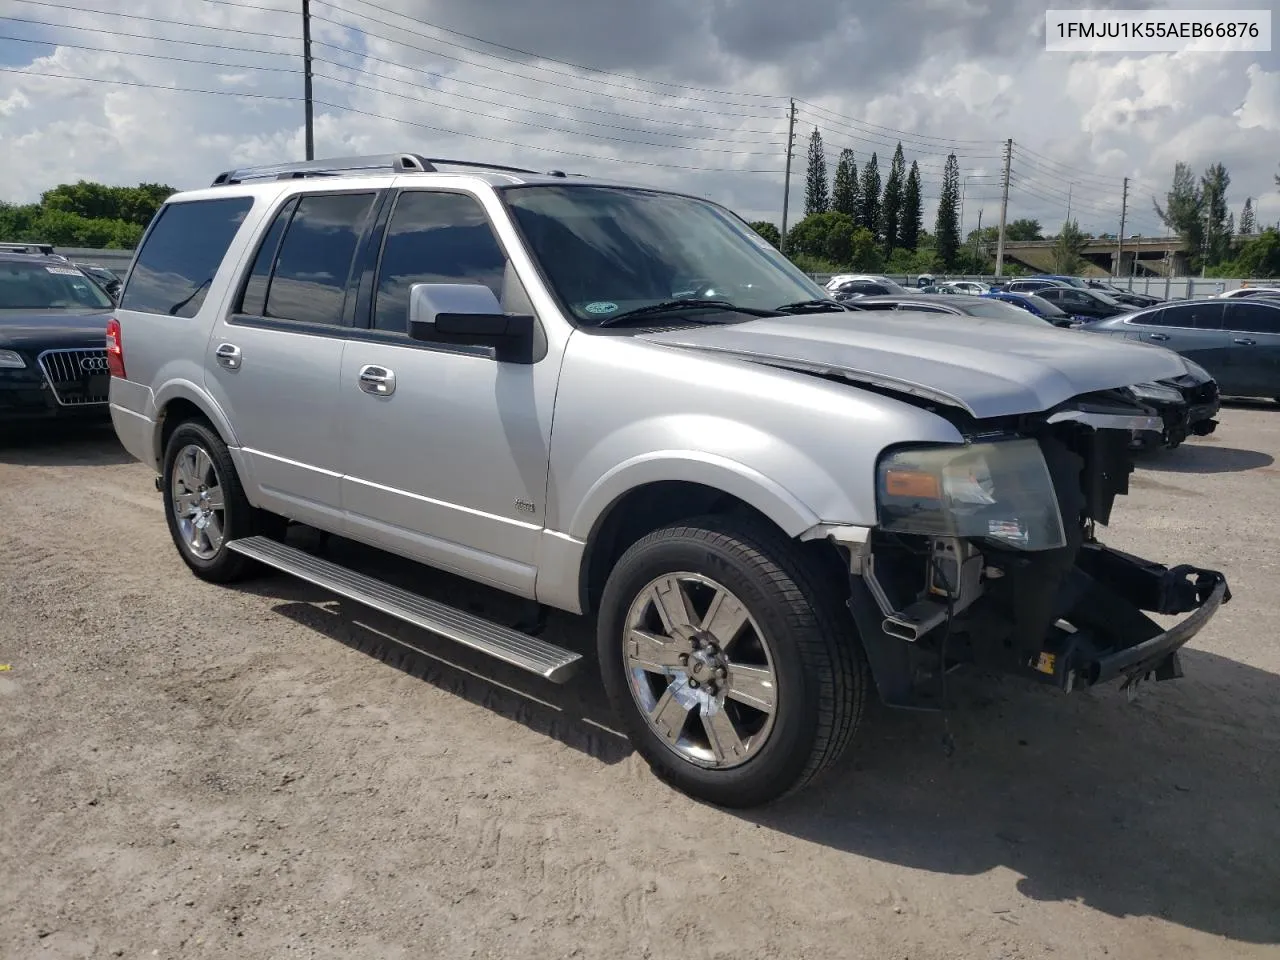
x=1183 y=211
x=844 y=193
x=768 y=231
x=97 y=201
x=1067 y=248
x=947 y=225
x=869 y=211
x=817 y=198
x=1218 y=222
x=891 y=207
x=864 y=251
x=1023 y=229
x=1248 y=223
x=1259 y=255
x=912 y=211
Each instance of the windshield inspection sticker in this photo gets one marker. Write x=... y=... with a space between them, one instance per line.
x=600 y=307
x=64 y=271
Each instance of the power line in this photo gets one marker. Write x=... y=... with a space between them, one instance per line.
x=377 y=116
x=144 y=36
x=175 y=23
x=521 y=76
x=585 y=133
x=153 y=56
x=940 y=141
x=563 y=63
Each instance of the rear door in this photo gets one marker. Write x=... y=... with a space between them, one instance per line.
x=274 y=362
x=1253 y=327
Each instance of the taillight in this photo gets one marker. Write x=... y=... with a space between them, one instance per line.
x=115 y=349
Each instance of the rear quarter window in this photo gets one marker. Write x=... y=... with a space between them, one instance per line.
x=181 y=254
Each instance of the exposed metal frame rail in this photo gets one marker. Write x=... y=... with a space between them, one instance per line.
x=377 y=163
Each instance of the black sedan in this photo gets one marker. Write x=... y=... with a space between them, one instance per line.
x=1092 y=304
x=53 y=325
x=1187 y=405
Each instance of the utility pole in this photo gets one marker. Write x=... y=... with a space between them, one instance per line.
x=977 y=235
x=1070 y=187
x=786 y=177
x=306 y=79
x=1124 y=209
x=1004 y=206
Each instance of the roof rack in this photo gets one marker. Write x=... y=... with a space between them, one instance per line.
x=379 y=163
x=43 y=248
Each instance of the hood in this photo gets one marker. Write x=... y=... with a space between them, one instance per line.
x=990 y=368
x=49 y=328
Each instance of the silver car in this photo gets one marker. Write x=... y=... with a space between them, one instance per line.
x=620 y=402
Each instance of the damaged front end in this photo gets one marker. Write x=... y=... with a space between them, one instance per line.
x=985 y=554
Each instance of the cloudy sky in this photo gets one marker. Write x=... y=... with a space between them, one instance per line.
x=688 y=93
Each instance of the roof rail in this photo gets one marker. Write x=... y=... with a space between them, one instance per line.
x=44 y=248
x=380 y=163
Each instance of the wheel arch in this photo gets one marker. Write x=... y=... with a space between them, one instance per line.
x=179 y=401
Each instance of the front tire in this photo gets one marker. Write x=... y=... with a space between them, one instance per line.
x=205 y=505
x=730 y=660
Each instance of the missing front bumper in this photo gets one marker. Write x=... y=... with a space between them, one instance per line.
x=1105 y=633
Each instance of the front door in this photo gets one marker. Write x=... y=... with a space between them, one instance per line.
x=274 y=363
x=1193 y=329
x=446 y=461
x=1253 y=327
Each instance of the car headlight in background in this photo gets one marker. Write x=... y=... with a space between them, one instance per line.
x=999 y=491
x=1157 y=392
x=11 y=360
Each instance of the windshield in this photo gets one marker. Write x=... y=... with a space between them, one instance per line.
x=999 y=310
x=39 y=285
x=1046 y=308
x=608 y=250
x=1109 y=301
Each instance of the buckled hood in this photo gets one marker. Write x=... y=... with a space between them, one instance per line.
x=990 y=368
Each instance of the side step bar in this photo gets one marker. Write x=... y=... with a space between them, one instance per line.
x=503 y=643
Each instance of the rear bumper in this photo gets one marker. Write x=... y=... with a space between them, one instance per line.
x=135 y=432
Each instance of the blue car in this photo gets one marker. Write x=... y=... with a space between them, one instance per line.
x=1042 y=308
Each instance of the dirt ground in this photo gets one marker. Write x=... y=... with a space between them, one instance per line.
x=257 y=772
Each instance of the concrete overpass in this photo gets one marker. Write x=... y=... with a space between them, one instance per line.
x=1156 y=256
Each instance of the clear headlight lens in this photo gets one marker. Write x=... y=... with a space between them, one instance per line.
x=11 y=360
x=999 y=491
x=1156 y=391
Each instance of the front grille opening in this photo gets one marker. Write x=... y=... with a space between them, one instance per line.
x=77 y=377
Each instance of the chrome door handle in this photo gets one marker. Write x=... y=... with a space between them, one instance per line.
x=1159 y=336
x=228 y=354
x=1245 y=341
x=376 y=380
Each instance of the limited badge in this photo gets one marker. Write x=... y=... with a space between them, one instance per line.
x=600 y=307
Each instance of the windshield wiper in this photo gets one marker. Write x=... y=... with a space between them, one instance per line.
x=671 y=306
x=812 y=306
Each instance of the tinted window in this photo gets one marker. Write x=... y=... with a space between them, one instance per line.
x=1253 y=317
x=310 y=278
x=42 y=285
x=1044 y=306
x=1153 y=319
x=182 y=252
x=1198 y=316
x=434 y=238
x=1053 y=294
x=254 y=300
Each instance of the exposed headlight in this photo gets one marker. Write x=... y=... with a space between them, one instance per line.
x=11 y=360
x=998 y=491
x=1156 y=391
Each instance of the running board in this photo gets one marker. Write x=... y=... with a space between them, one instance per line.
x=503 y=643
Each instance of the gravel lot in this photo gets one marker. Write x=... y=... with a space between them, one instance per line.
x=258 y=772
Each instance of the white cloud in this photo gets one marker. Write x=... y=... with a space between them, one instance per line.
x=955 y=76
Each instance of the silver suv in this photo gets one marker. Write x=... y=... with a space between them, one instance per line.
x=623 y=403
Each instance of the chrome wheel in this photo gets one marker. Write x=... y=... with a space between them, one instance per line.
x=197 y=502
x=700 y=670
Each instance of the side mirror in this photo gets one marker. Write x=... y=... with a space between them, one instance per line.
x=468 y=314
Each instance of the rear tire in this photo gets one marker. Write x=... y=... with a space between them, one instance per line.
x=205 y=505
x=772 y=686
